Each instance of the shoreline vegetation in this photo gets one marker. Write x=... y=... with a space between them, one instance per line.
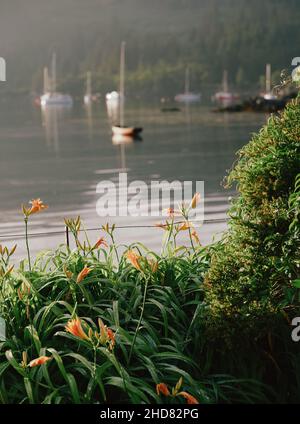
x=191 y=325
x=162 y=38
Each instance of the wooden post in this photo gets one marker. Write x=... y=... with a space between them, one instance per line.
x=67 y=236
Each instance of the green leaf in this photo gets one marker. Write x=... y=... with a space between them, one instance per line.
x=28 y=389
x=296 y=283
x=74 y=389
x=35 y=337
x=14 y=363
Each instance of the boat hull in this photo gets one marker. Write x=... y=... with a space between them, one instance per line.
x=224 y=96
x=56 y=99
x=125 y=131
x=188 y=97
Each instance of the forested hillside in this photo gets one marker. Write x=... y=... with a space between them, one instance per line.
x=162 y=36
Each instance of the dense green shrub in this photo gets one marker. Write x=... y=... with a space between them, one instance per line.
x=249 y=292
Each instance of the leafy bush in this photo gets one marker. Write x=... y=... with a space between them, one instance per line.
x=250 y=293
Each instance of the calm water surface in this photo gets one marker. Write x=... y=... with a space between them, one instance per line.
x=60 y=156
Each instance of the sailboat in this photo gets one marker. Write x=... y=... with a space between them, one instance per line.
x=225 y=96
x=121 y=129
x=268 y=95
x=51 y=97
x=187 y=96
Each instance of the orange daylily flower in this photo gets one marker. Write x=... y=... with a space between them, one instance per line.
x=162 y=388
x=195 y=200
x=37 y=206
x=111 y=337
x=74 y=327
x=83 y=274
x=191 y=400
x=99 y=243
x=39 y=361
x=134 y=259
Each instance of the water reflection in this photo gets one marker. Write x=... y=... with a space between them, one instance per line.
x=51 y=119
x=191 y=144
x=113 y=109
x=119 y=139
x=88 y=107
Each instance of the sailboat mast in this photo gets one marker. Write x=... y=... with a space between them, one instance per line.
x=46 y=80
x=268 y=78
x=54 y=73
x=122 y=83
x=187 y=81
x=225 y=81
x=89 y=83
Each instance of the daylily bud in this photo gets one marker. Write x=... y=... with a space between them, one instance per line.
x=39 y=361
x=83 y=274
x=195 y=200
x=190 y=399
x=162 y=388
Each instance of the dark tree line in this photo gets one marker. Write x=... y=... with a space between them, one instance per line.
x=163 y=37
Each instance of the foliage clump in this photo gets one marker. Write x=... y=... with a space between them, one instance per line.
x=250 y=290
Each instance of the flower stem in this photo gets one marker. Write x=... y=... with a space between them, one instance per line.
x=191 y=238
x=114 y=246
x=27 y=244
x=139 y=322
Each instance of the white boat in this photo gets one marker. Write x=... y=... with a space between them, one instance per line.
x=119 y=99
x=225 y=96
x=268 y=95
x=51 y=97
x=56 y=99
x=114 y=96
x=119 y=130
x=187 y=96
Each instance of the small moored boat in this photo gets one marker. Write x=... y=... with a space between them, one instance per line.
x=51 y=97
x=118 y=130
x=269 y=95
x=122 y=129
x=225 y=97
x=187 y=96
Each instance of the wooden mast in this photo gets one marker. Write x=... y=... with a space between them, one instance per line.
x=122 y=83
